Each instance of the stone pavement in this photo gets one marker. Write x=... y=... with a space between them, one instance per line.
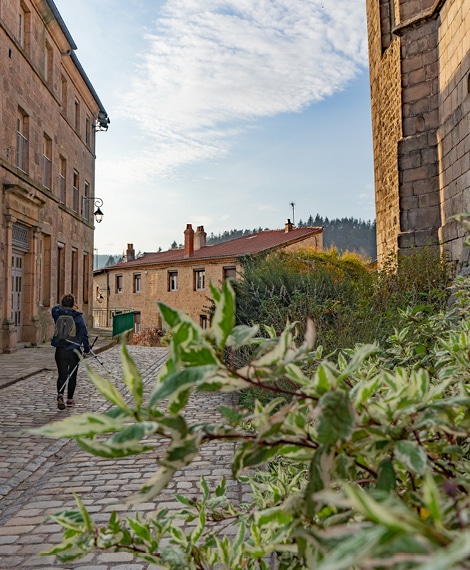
x=38 y=475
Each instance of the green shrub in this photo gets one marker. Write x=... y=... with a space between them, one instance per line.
x=366 y=454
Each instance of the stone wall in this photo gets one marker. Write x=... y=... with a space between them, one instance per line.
x=386 y=123
x=155 y=287
x=453 y=132
x=419 y=95
x=42 y=87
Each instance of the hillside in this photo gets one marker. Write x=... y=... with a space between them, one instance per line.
x=346 y=234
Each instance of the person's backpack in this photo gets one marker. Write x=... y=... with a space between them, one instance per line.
x=65 y=331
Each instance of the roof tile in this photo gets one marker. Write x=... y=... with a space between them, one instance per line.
x=252 y=244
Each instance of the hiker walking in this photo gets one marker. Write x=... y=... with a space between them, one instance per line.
x=69 y=336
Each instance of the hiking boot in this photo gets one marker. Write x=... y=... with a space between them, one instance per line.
x=70 y=403
x=60 y=402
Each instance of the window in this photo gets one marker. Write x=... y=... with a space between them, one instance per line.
x=137 y=282
x=63 y=87
x=230 y=273
x=21 y=26
x=137 y=322
x=387 y=22
x=47 y=162
x=203 y=321
x=199 y=279
x=118 y=283
x=87 y=130
x=48 y=63
x=22 y=141
x=24 y=27
x=74 y=273
x=172 y=281
x=62 y=179
x=86 y=203
x=60 y=270
x=86 y=276
x=76 y=182
x=77 y=115
x=46 y=266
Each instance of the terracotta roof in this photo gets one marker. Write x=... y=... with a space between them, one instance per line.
x=252 y=244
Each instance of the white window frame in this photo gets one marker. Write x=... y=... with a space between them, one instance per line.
x=119 y=287
x=173 y=280
x=137 y=282
x=199 y=279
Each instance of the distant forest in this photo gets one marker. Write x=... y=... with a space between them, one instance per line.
x=346 y=234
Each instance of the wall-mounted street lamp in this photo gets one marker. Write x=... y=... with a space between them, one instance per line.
x=97 y=202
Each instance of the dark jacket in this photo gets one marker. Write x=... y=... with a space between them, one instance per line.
x=82 y=333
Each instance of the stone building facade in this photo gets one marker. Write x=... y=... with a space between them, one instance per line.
x=419 y=54
x=180 y=278
x=49 y=113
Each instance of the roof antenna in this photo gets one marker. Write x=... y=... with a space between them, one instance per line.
x=292 y=205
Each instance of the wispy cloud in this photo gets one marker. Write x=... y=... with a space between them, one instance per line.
x=212 y=67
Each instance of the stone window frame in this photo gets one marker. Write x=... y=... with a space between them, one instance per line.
x=24 y=27
x=48 y=62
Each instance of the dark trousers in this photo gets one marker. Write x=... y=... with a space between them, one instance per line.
x=67 y=364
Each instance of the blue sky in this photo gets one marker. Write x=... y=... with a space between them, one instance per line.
x=223 y=112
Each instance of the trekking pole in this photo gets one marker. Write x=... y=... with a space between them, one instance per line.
x=94 y=356
x=70 y=374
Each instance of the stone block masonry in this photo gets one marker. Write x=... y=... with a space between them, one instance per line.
x=419 y=56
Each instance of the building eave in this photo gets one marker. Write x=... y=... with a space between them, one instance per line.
x=73 y=46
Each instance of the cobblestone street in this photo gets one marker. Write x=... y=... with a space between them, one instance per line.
x=38 y=475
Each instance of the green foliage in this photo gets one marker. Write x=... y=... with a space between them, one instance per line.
x=348 y=302
x=359 y=462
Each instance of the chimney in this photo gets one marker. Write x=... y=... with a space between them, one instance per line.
x=289 y=226
x=188 y=240
x=199 y=238
x=130 y=253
